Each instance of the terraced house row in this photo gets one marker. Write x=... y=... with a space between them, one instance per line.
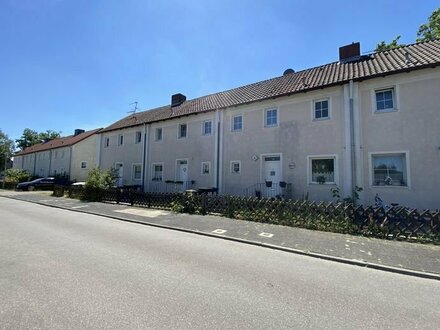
x=369 y=121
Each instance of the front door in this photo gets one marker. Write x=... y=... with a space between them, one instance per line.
x=272 y=175
x=182 y=172
x=120 y=168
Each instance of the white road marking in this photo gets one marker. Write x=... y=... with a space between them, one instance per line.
x=79 y=206
x=219 y=231
x=268 y=235
x=144 y=212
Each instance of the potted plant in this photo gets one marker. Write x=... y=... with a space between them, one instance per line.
x=320 y=179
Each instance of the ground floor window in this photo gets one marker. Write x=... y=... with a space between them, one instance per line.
x=236 y=167
x=389 y=169
x=83 y=165
x=322 y=169
x=157 y=172
x=137 y=171
x=206 y=167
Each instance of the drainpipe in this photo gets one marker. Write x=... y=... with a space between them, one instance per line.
x=218 y=151
x=50 y=162
x=35 y=163
x=144 y=156
x=352 y=139
x=70 y=162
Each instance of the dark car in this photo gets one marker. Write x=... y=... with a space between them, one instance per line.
x=42 y=183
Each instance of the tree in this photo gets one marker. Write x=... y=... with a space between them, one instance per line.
x=31 y=137
x=430 y=30
x=28 y=138
x=49 y=135
x=382 y=46
x=6 y=148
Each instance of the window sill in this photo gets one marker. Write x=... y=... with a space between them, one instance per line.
x=271 y=126
x=392 y=187
x=385 y=111
x=322 y=184
x=321 y=119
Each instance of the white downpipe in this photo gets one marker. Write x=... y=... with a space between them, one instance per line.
x=352 y=139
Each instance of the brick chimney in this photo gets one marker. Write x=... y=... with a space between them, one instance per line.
x=78 y=132
x=177 y=99
x=350 y=52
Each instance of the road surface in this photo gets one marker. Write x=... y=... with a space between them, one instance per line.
x=66 y=270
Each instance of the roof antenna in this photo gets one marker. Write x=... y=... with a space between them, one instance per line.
x=135 y=107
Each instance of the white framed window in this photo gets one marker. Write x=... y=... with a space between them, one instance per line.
x=62 y=154
x=207 y=127
x=107 y=142
x=322 y=169
x=158 y=134
x=83 y=165
x=157 y=172
x=120 y=140
x=137 y=171
x=138 y=137
x=271 y=117
x=206 y=168
x=389 y=169
x=237 y=123
x=321 y=109
x=385 y=100
x=236 y=167
x=182 y=131
x=56 y=154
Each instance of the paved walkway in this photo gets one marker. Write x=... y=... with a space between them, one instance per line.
x=402 y=257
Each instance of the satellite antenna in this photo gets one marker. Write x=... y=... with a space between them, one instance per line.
x=135 y=107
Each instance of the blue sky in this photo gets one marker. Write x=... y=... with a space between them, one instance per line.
x=67 y=64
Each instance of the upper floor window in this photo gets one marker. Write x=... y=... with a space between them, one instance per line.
x=107 y=142
x=83 y=165
x=120 y=140
x=158 y=134
x=237 y=123
x=138 y=137
x=385 y=99
x=207 y=127
x=321 y=110
x=182 y=131
x=271 y=117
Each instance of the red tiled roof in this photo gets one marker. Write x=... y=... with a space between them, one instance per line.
x=58 y=143
x=403 y=59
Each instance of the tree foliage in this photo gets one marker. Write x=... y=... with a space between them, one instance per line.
x=427 y=31
x=6 y=148
x=382 y=46
x=430 y=30
x=98 y=178
x=31 y=137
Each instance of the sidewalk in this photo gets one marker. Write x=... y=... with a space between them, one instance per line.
x=401 y=257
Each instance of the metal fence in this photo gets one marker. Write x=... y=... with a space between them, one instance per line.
x=397 y=222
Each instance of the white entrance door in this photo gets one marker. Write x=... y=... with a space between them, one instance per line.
x=120 y=168
x=272 y=174
x=182 y=172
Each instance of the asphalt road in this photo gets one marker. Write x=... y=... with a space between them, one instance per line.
x=66 y=270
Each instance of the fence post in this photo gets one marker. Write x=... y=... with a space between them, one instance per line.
x=118 y=196
x=203 y=203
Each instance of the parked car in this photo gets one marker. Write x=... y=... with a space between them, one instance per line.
x=42 y=183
